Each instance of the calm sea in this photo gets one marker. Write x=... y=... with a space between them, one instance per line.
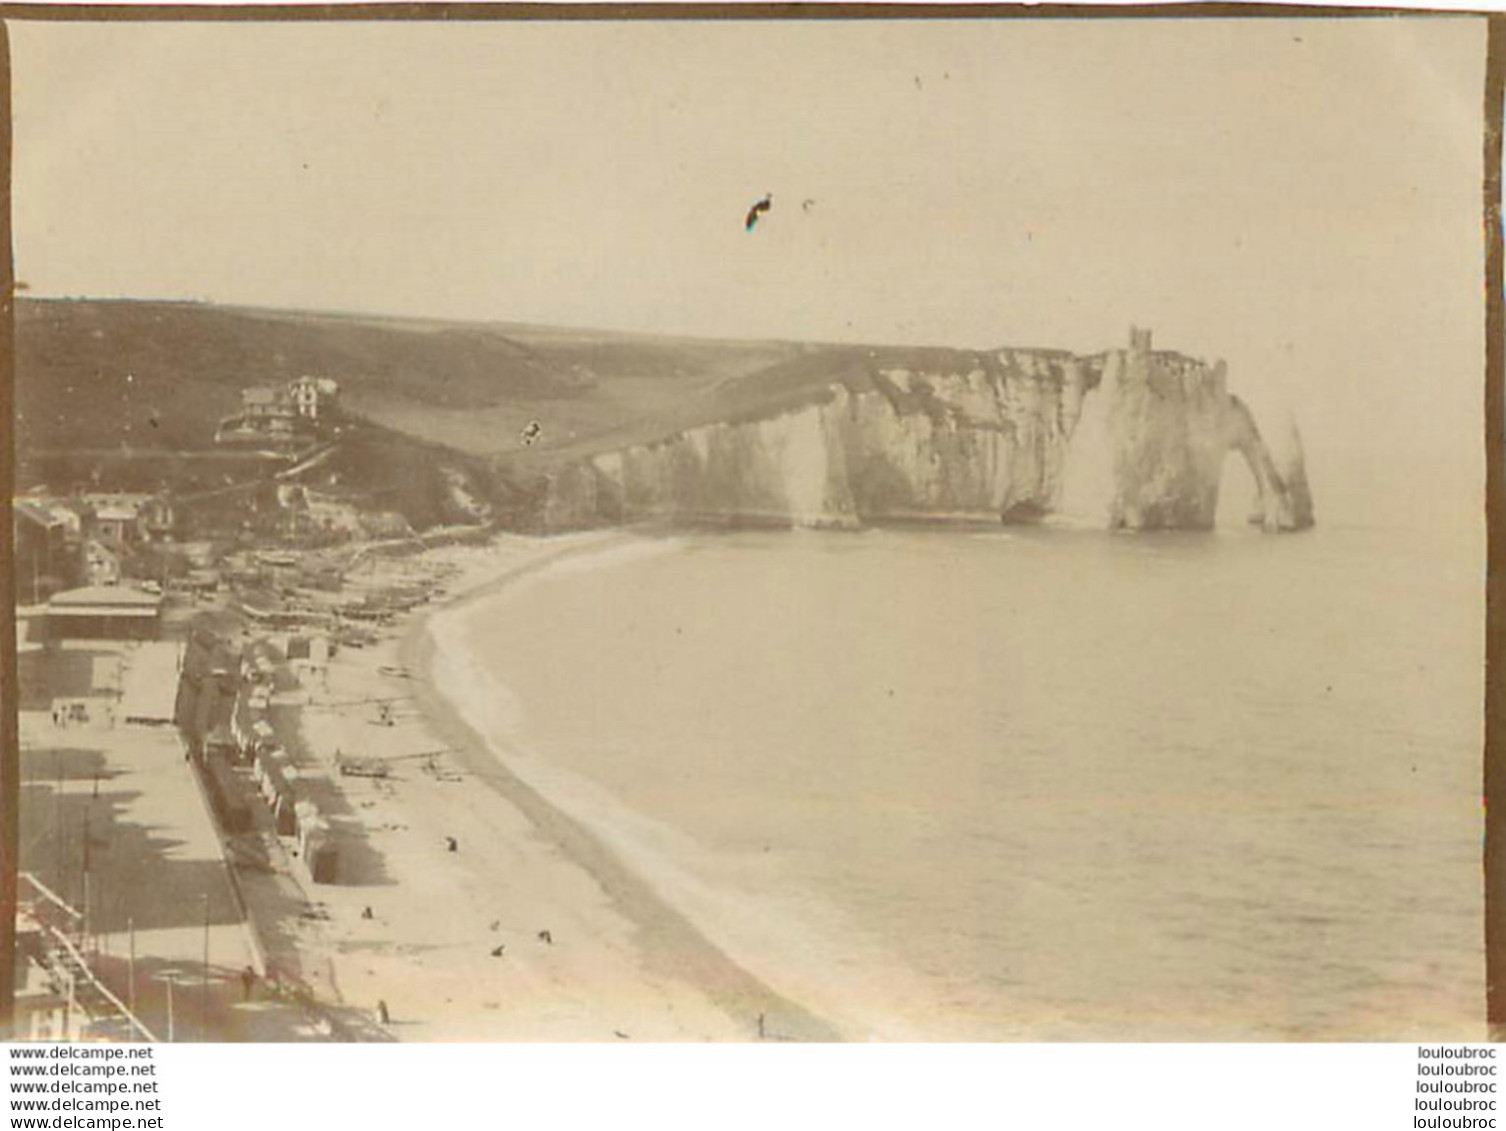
x=1050 y=784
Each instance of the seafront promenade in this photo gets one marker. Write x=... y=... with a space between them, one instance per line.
x=114 y=822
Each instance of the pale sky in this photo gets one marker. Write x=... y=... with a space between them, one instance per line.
x=1301 y=197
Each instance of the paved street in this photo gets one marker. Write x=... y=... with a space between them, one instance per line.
x=114 y=822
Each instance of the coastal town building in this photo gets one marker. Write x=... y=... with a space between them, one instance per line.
x=46 y=555
x=121 y=518
x=70 y=517
x=107 y=612
x=158 y=519
x=65 y=543
x=101 y=564
x=41 y=1004
x=279 y=416
x=115 y=523
x=311 y=394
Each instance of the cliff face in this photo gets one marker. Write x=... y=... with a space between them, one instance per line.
x=1172 y=421
x=964 y=436
x=936 y=435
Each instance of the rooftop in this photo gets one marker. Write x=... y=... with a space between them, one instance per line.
x=35 y=512
x=101 y=597
x=116 y=498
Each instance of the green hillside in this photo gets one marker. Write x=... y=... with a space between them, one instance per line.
x=126 y=395
x=157 y=375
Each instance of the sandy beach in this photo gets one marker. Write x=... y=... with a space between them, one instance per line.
x=526 y=929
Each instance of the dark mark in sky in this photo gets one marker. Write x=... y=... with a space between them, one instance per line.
x=758 y=210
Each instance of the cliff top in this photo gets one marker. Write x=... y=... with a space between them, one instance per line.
x=150 y=380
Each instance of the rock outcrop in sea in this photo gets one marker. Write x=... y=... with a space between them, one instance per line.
x=864 y=437
x=1172 y=421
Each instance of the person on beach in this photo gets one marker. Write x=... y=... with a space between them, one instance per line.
x=382 y=1015
x=248 y=983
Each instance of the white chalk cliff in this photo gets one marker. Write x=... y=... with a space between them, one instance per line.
x=883 y=436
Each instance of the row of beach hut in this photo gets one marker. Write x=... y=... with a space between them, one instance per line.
x=224 y=700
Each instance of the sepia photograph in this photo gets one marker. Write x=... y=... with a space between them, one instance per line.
x=745 y=529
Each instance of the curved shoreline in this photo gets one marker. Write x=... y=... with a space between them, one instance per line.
x=670 y=945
